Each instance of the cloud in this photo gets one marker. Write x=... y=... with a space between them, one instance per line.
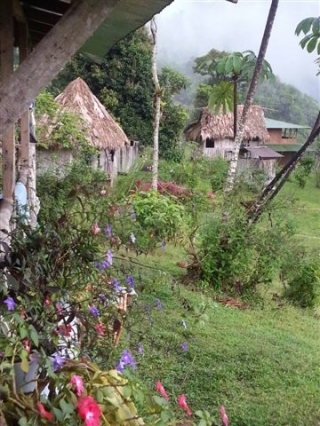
x=190 y=28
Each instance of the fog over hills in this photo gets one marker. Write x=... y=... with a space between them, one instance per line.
x=190 y=28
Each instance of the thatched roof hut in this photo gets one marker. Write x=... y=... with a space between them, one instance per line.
x=220 y=127
x=101 y=130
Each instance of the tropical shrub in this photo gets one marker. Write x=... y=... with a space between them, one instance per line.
x=303 y=170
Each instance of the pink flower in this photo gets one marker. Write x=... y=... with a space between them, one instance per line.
x=224 y=416
x=89 y=411
x=183 y=404
x=95 y=229
x=160 y=389
x=26 y=345
x=43 y=412
x=77 y=383
x=99 y=328
x=103 y=192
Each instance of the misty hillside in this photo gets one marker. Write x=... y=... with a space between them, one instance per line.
x=282 y=101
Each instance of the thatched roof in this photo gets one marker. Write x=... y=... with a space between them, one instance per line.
x=221 y=126
x=101 y=130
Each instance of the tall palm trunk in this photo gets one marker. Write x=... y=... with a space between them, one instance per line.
x=157 y=105
x=235 y=107
x=253 y=85
x=272 y=189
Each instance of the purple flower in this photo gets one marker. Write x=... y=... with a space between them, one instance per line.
x=130 y=281
x=140 y=348
x=109 y=257
x=94 y=311
x=57 y=362
x=116 y=285
x=109 y=230
x=163 y=245
x=132 y=238
x=102 y=298
x=184 y=347
x=11 y=304
x=126 y=359
x=159 y=304
x=133 y=215
x=102 y=265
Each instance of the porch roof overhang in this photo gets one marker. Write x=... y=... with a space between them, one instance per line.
x=128 y=15
x=264 y=153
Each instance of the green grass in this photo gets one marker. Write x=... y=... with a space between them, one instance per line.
x=262 y=363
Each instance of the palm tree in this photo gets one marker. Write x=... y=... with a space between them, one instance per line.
x=229 y=72
x=249 y=99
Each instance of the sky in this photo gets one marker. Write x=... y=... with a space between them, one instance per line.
x=190 y=28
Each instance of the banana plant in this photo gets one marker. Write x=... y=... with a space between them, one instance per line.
x=228 y=71
x=310 y=28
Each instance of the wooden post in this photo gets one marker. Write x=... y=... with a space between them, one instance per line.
x=6 y=70
x=27 y=152
x=23 y=161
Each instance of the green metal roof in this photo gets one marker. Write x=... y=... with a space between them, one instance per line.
x=127 y=16
x=275 y=124
x=287 y=147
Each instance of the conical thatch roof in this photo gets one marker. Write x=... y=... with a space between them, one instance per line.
x=221 y=126
x=100 y=128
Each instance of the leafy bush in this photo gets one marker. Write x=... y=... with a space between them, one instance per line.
x=303 y=289
x=303 y=170
x=236 y=259
x=158 y=215
x=219 y=173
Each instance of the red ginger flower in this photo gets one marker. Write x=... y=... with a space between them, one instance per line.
x=224 y=416
x=77 y=383
x=160 y=389
x=43 y=412
x=99 y=328
x=183 y=404
x=89 y=411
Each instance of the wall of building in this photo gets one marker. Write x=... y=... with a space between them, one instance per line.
x=55 y=161
x=222 y=148
x=276 y=136
x=112 y=162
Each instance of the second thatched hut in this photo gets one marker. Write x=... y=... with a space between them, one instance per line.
x=215 y=137
x=115 y=152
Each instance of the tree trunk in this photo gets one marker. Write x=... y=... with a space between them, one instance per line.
x=273 y=188
x=249 y=99
x=235 y=108
x=157 y=105
x=49 y=56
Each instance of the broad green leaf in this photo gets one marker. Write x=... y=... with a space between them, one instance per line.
x=304 y=26
x=312 y=44
x=305 y=40
x=24 y=361
x=316 y=26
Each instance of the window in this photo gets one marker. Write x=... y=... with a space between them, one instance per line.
x=209 y=143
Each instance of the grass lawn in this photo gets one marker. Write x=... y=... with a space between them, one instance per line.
x=262 y=363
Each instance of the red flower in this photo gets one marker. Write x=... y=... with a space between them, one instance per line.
x=43 y=412
x=224 y=416
x=99 y=328
x=160 y=388
x=89 y=411
x=183 y=404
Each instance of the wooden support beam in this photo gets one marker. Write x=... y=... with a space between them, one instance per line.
x=50 y=55
x=23 y=161
x=6 y=71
